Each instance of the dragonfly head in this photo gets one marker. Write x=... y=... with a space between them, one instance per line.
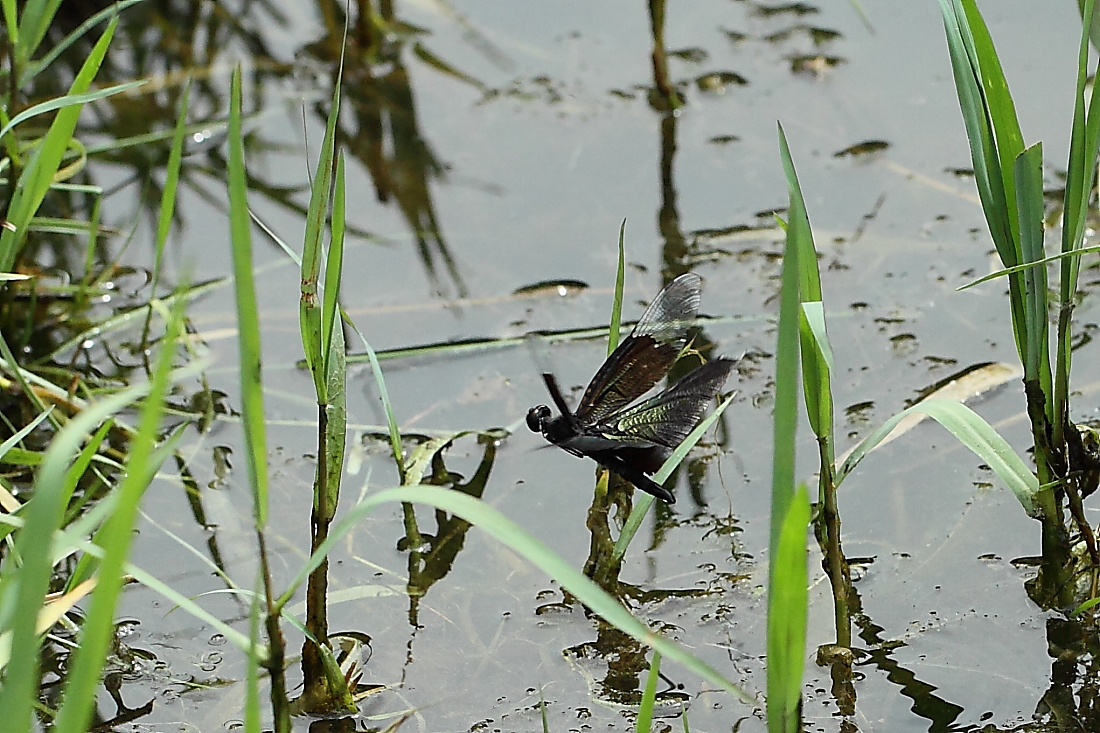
x=538 y=417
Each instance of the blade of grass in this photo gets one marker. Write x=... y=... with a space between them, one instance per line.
x=973 y=432
x=333 y=271
x=998 y=100
x=817 y=366
x=649 y=696
x=1028 y=173
x=251 y=386
x=128 y=318
x=788 y=606
x=35 y=67
x=786 y=386
x=26 y=586
x=11 y=21
x=617 y=301
x=248 y=330
x=97 y=632
x=36 y=178
x=1080 y=175
x=1029 y=265
x=37 y=16
x=68 y=100
x=168 y=201
x=784 y=677
x=310 y=306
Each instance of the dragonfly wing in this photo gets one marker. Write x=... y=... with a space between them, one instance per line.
x=667 y=418
x=646 y=355
x=673 y=311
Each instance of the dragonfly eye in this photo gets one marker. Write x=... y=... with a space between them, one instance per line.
x=536 y=416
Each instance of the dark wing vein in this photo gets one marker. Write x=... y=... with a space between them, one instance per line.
x=667 y=418
x=646 y=355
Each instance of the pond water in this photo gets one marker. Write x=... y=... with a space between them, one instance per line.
x=501 y=148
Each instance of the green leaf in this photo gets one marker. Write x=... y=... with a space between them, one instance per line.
x=617 y=303
x=36 y=66
x=649 y=696
x=972 y=431
x=25 y=586
x=68 y=100
x=97 y=631
x=1029 y=196
x=310 y=308
x=248 y=319
x=36 y=178
x=37 y=16
x=786 y=363
x=788 y=604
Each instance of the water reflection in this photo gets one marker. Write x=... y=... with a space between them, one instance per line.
x=381 y=127
x=383 y=131
x=431 y=556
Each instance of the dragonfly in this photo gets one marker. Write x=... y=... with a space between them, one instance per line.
x=634 y=440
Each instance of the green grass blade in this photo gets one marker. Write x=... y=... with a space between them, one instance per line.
x=617 y=303
x=1002 y=110
x=334 y=268
x=542 y=712
x=994 y=143
x=332 y=363
x=788 y=605
x=68 y=100
x=36 y=178
x=988 y=173
x=11 y=21
x=97 y=632
x=380 y=383
x=1029 y=196
x=789 y=514
x=1080 y=175
x=35 y=67
x=74 y=539
x=786 y=378
x=30 y=581
x=1038 y=263
x=973 y=432
x=128 y=318
x=168 y=201
x=649 y=696
x=310 y=305
x=815 y=352
x=37 y=16
x=248 y=319
x=1081 y=167
x=15 y=439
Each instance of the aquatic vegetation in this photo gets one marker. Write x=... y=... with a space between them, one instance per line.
x=107 y=390
x=1010 y=183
